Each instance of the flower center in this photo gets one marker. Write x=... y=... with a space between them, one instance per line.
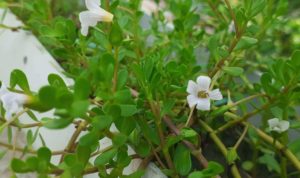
x=202 y=94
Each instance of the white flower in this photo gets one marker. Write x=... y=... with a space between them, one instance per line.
x=231 y=27
x=12 y=102
x=149 y=7
x=93 y=15
x=277 y=125
x=169 y=17
x=200 y=94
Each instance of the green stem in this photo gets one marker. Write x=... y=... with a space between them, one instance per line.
x=279 y=146
x=22 y=150
x=241 y=138
x=234 y=170
x=247 y=99
x=116 y=68
x=216 y=11
x=71 y=144
x=189 y=120
x=21 y=125
x=196 y=152
x=2 y=127
x=283 y=166
x=238 y=120
x=237 y=31
x=165 y=150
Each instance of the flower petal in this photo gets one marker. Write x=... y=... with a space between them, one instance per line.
x=215 y=94
x=284 y=125
x=203 y=104
x=92 y=4
x=88 y=19
x=149 y=7
x=84 y=30
x=13 y=103
x=192 y=100
x=3 y=90
x=273 y=123
x=8 y=115
x=9 y=105
x=192 y=88
x=203 y=82
x=105 y=15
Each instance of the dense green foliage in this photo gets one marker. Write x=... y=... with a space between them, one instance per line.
x=133 y=73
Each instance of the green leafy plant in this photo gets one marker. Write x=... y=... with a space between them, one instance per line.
x=201 y=88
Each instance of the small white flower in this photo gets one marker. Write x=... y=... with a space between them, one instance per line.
x=93 y=15
x=169 y=17
x=231 y=27
x=12 y=102
x=200 y=94
x=149 y=7
x=277 y=125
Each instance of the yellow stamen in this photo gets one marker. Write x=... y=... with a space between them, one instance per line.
x=202 y=94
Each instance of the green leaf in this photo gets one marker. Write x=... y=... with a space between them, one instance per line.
x=17 y=77
x=83 y=154
x=79 y=108
x=212 y=170
x=137 y=174
x=19 y=166
x=123 y=96
x=232 y=156
x=270 y=162
x=220 y=111
x=295 y=146
x=116 y=35
x=125 y=125
x=213 y=45
x=172 y=140
x=47 y=96
x=44 y=154
x=247 y=165
x=70 y=159
x=56 y=123
x=234 y=71
x=29 y=137
x=245 y=43
x=119 y=140
x=182 y=160
x=82 y=89
x=89 y=139
x=294 y=124
x=122 y=78
x=148 y=131
x=277 y=112
x=128 y=110
x=257 y=7
x=123 y=159
x=112 y=110
x=64 y=99
x=102 y=122
x=188 y=132
x=105 y=157
x=267 y=83
x=143 y=148
x=32 y=115
x=56 y=81
x=296 y=58
x=32 y=163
